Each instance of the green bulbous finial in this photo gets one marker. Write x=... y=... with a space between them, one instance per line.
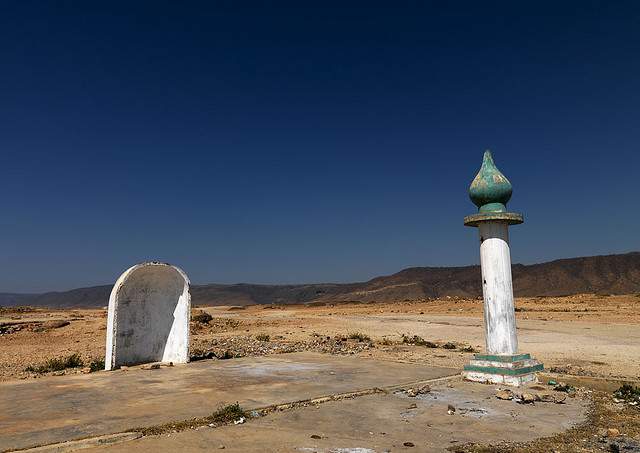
x=490 y=190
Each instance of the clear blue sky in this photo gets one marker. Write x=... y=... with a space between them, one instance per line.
x=280 y=142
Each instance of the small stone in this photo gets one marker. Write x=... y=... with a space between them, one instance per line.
x=221 y=447
x=562 y=387
x=451 y=409
x=86 y=370
x=415 y=391
x=559 y=399
x=413 y=406
x=613 y=432
x=150 y=366
x=409 y=444
x=527 y=398
x=315 y=436
x=504 y=394
x=546 y=398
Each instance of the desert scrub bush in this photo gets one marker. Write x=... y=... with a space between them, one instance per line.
x=96 y=365
x=262 y=337
x=227 y=414
x=222 y=416
x=359 y=336
x=386 y=342
x=225 y=355
x=629 y=393
x=418 y=341
x=57 y=364
x=201 y=317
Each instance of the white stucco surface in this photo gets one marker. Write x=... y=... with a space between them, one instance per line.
x=148 y=319
x=497 y=289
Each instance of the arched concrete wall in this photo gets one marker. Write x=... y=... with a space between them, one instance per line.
x=148 y=320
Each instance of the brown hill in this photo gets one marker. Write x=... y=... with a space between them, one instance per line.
x=611 y=274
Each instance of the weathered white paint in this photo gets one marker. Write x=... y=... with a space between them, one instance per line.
x=148 y=319
x=507 y=365
x=497 y=289
x=514 y=381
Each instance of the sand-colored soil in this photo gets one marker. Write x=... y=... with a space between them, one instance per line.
x=582 y=335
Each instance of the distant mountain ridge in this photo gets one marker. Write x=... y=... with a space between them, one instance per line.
x=608 y=274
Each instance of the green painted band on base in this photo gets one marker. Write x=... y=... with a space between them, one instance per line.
x=511 y=218
x=502 y=358
x=504 y=371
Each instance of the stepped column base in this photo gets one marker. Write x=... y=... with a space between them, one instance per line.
x=513 y=370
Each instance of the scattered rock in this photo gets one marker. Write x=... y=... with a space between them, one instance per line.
x=623 y=444
x=613 y=432
x=202 y=356
x=150 y=366
x=504 y=394
x=448 y=346
x=315 y=436
x=415 y=391
x=527 y=398
x=546 y=398
x=409 y=444
x=562 y=387
x=86 y=370
x=451 y=409
x=413 y=406
x=559 y=399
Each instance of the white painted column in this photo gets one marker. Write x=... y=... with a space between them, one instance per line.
x=497 y=289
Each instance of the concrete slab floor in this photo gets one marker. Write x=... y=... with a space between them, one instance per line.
x=378 y=423
x=62 y=408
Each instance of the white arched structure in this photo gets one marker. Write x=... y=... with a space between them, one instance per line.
x=148 y=320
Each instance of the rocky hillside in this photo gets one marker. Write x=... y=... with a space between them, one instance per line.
x=611 y=274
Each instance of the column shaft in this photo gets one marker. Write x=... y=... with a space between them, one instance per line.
x=497 y=289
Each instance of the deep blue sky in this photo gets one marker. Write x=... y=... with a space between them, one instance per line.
x=283 y=142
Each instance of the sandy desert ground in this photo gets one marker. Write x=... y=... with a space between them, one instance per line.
x=587 y=338
x=584 y=335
